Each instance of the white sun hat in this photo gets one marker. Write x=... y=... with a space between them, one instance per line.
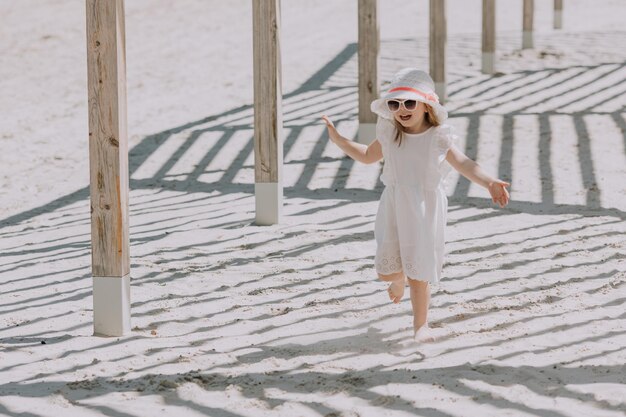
x=410 y=84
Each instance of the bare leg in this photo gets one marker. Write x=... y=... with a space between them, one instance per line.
x=396 y=288
x=420 y=299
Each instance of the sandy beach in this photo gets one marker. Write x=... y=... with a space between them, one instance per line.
x=231 y=319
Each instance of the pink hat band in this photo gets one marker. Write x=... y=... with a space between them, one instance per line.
x=429 y=97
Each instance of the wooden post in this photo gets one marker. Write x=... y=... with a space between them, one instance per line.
x=558 y=14
x=438 y=47
x=268 y=123
x=108 y=166
x=489 y=36
x=527 y=35
x=369 y=47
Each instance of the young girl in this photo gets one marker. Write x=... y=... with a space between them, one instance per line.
x=418 y=151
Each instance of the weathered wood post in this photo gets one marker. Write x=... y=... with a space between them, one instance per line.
x=368 y=51
x=527 y=35
x=268 y=123
x=489 y=36
x=108 y=166
x=558 y=14
x=438 y=46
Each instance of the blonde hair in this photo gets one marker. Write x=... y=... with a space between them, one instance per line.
x=431 y=119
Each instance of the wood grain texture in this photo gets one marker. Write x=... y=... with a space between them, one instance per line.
x=527 y=33
x=438 y=37
x=488 y=37
x=558 y=14
x=368 y=51
x=489 y=26
x=268 y=124
x=528 y=15
x=108 y=143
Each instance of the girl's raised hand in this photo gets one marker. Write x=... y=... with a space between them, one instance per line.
x=499 y=193
x=332 y=132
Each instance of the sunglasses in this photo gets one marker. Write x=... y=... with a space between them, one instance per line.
x=394 y=105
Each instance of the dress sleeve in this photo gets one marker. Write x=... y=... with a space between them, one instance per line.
x=445 y=138
x=385 y=130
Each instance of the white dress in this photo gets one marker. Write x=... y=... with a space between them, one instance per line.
x=412 y=212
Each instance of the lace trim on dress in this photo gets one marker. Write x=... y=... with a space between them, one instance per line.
x=388 y=263
x=410 y=269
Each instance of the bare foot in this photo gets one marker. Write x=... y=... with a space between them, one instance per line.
x=426 y=334
x=396 y=290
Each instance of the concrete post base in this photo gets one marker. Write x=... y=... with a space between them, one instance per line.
x=269 y=203
x=111 y=306
x=367 y=133
x=558 y=19
x=488 y=63
x=527 y=40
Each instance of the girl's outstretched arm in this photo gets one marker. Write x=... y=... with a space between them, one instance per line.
x=473 y=172
x=357 y=151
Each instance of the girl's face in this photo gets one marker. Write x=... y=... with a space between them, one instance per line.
x=411 y=120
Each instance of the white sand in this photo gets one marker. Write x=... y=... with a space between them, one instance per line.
x=231 y=319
